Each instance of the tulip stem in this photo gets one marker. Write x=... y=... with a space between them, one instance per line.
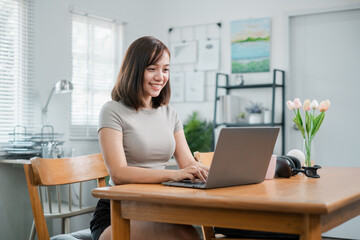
x=308 y=151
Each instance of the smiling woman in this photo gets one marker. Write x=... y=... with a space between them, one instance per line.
x=138 y=134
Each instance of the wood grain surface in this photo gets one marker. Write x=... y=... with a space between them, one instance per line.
x=336 y=188
x=57 y=171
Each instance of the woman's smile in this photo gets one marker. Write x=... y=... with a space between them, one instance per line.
x=156 y=86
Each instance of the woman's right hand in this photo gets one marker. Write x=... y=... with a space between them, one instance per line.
x=192 y=172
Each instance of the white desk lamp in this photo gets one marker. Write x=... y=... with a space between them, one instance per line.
x=62 y=86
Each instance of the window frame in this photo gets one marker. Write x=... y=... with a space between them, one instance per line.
x=88 y=131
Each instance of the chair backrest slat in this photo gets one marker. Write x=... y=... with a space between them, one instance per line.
x=58 y=198
x=48 y=199
x=80 y=195
x=101 y=182
x=68 y=170
x=69 y=197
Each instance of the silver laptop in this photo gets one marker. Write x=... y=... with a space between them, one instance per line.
x=242 y=156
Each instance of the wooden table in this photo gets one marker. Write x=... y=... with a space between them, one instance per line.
x=298 y=205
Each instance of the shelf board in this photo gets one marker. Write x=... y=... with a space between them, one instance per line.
x=267 y=85
x=247 y=124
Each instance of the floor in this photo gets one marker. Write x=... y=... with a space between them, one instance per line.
x=326 y=238
x=198 y=229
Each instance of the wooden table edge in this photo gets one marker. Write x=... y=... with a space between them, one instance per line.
x=248 y=204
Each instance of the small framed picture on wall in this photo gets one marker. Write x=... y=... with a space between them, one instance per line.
x=194 y=86
x=184 y=52
x=177 y=87
x=250 y=45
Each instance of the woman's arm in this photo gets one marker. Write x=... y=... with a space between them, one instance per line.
x=184 y=157
x=111 y=144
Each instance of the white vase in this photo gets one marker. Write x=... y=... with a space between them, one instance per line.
x=255 y=118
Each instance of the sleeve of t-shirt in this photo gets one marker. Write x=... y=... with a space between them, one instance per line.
x=110 y=117
x=177 y=123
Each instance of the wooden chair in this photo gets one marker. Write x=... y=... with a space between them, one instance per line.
x=209 y=232
x=56 y=172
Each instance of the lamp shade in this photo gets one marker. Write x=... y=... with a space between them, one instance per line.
x=63 y=86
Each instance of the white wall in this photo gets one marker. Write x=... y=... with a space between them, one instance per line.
x=188 y=12
x=52 y=59
x=52 y=63
x=15 y=208
x=143 y=17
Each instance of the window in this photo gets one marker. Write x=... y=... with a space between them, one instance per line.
x=96 y=50
x=16 y=56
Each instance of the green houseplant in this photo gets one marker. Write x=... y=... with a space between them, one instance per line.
x=198 y=133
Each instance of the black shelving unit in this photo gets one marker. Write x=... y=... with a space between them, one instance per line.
x=272 y=86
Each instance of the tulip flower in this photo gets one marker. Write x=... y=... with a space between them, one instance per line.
x=314 y=105
x=297 y=103
x=290 y=105
x=324 y=106
x=306 y=105
x=312 y=123
x=328 y=104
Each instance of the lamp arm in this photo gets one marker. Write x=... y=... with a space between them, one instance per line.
x=45 y=109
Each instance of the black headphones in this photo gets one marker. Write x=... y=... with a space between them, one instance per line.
x=287 y=166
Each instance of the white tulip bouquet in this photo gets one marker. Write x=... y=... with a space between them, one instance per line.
x=312 y=123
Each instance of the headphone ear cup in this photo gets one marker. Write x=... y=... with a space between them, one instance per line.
x=290 y=162
x=283 y=168
x=292 y=165
x=296 y=161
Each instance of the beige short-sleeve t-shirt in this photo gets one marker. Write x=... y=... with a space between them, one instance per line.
x=148 y=135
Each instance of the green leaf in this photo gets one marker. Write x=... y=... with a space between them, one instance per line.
x=299 y=123
x=317 y=120
x=299 y=117
x=300 y=127
x=317 y=123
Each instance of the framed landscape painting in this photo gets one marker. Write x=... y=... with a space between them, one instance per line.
x=250 y=45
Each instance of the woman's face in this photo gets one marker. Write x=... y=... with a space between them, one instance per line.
x=156 y=77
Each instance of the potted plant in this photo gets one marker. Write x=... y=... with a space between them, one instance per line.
x=255 y=113
x=198 y=133
x=241 y=117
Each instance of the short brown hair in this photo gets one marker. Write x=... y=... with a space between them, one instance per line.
x=128 y=88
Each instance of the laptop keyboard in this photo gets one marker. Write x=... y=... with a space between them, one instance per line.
x=192 y=184
x=186 y=183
